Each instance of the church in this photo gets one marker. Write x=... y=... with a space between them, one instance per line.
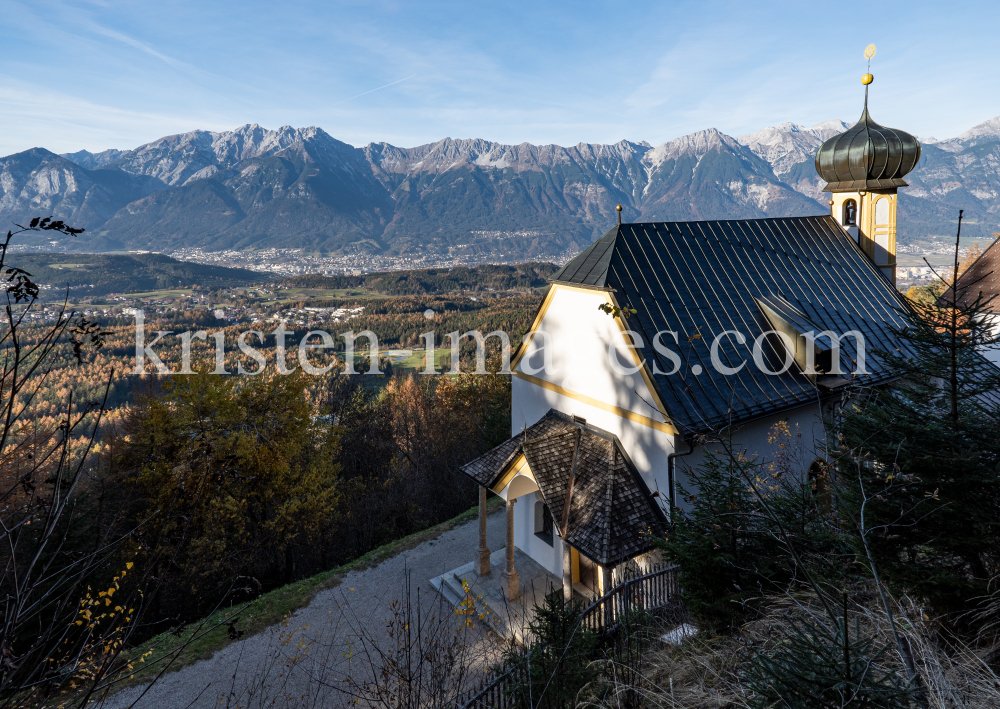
x=660 y=338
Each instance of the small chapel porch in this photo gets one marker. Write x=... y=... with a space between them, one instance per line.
x=486 y=594
x=576 y=510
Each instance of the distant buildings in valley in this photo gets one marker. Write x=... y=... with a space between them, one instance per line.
x=307 y=316
x=293 y=262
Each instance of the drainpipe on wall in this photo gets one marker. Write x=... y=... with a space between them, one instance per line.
x=671 y=478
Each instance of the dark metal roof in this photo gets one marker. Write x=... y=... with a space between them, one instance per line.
x=590 y=267
x=700 y=279
x=980 y=280
x=867 y=156
x=612 y=513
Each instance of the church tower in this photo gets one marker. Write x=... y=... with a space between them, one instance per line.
x=863 y=167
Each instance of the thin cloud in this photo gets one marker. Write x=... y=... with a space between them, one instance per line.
x=136 y=44
x=374 y=90
x=79 y=123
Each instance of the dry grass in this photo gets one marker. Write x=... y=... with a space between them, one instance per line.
x=955 y=674
x=705 y=672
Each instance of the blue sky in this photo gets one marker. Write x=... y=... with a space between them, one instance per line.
x=97 y=74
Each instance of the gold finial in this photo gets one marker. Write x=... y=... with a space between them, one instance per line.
x=619 y=210
x=869 y=53
x=868 y=78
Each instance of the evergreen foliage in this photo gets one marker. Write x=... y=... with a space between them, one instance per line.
x=718 y=542
x=429 y=281
x=557 y=662
x=813 y=665
x=233 y=476
x=917 y=461
x=99 y=274
x=728 y=544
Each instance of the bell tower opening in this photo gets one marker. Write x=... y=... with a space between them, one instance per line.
x=850 y=213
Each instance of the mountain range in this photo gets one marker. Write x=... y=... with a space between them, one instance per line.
x=302 y=188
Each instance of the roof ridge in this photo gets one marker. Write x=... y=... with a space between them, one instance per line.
x=590 y=266
x=540 y=439
x=609 y=492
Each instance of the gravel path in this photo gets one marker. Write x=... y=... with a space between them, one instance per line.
x=319 y=653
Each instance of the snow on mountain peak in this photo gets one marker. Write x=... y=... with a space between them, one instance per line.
x=696 y=144
x=789 y=144
x=986 y=129
x=836 y=126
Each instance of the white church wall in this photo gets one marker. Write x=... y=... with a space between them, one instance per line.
x=579 y=338
x=805 y=426
x=525 y=539
x=647 y=447
x=992 y=353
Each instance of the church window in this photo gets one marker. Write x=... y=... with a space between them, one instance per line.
x=819 y=483
x=850 y=213
x=543 y=522
x=882 y=211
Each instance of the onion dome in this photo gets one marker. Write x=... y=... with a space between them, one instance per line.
x=867 y=157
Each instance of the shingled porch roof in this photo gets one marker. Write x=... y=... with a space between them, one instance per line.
x=612 y=513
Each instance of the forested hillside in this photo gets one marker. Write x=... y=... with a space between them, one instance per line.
x=485 y=278
x=99 y=274
x=212 y=489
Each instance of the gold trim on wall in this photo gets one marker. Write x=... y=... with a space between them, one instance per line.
x=643 y=367
x=598 y=404
x=530 y=335
x=520 y=465
x=542 y=309
x=640 y=363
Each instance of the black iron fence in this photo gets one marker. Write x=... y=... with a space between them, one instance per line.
x=647 y=592
x=495 y=692
x=643 y=593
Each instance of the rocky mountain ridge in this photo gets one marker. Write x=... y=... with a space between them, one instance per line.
x=302 y=188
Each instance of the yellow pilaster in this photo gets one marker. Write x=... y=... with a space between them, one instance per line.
x=875 y=225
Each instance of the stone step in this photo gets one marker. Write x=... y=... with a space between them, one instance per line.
x=505 y=618
x=454 y=583
x=450 y=595
x=439 y=584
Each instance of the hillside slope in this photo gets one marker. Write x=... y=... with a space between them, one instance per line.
x=99 y=274
x=433 y=281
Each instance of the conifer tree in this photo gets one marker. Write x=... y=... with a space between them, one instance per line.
x=918 y=459
x=722 y=551
x=731 y=539
x=556 y=667
x=815 y=664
